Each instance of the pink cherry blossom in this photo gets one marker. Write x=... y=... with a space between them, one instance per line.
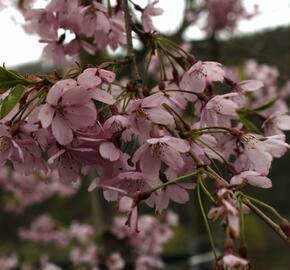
x=8 y=262
x=68 y=107
x=227 y=211
x=93 y=79
x=201 y=73
x=275 y=124
x=233 y=261
x=44 y=231
x=149 y=11
x=252 y=178
x=219 y=111
x=249 y=86
x=115 y=262
x=224 y=14
x=125 y=204
x=260 y=151
x=177 y=193
x=166 y=149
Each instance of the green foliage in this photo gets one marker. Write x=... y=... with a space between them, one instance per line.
x=11 y=100
x=249 y=125
x=9 y=79
x=245 y=113
x=266 y=106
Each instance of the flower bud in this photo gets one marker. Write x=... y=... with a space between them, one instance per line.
x=285 y=226
x=125 y=204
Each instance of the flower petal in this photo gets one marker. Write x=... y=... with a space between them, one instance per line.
x=250 y=85
x=103 y=96
x=46 y=115
x=81 y=116
x=177 y=194
x=61 y=131
x=160 y=116
x=76 y=96
x=56 y=92
x=109 y=151
x=179 y=144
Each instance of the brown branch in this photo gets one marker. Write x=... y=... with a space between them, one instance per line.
x=130 y=49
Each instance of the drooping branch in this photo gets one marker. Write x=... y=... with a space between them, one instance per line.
x=268 y=221
x=130 y=48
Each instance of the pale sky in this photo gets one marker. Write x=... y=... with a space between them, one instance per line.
x=16 y=47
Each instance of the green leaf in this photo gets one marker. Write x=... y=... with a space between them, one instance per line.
x=248 y=124
x=11 y=100
x=245 y=111
x=266 y=106
x=9 y=79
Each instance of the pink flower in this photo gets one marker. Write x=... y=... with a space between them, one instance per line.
x=144 y=113
x=115 y=262
x=174 y=99
x=83 y=233
x=55 y=51
x=8 y=262
x=92 y=79
x=125 y=204
x=88 y=255
x=116 y=123
x=253 y=178
x=201 y=73
x=274 y=124
x=219 y=111
x=261 y=150
x=124 y=183
x=225 y=14
x=167 y=149
x=68 y=108
x=177 y=193
x=66 y=161
x=248 y=86
x=44 y=230
x=6 y=145
x=233 y=261
x=226 y=210
x=109 y=151
x=151 y=108
x=147 y=262
x=42 y=22
x=147 y=12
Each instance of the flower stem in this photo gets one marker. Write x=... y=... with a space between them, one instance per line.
x=242 y=219
x=173 y=181
x=275 y=227
x=130 y=49
x=205 y=190
x=209 y=232
x=272 y=209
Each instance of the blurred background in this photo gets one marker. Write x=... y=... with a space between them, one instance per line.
x=264 y=38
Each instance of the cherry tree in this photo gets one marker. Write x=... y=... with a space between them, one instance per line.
x=149 y=137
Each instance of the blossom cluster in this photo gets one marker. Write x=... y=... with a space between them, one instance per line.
x=68 y=26
x=139 y=141
x=23 y=191
x=221 y=15
x=141 y=148
x=77 y=240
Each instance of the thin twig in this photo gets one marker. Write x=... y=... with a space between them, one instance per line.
x=275 y=227
x=130 y=49
x=209 y=232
